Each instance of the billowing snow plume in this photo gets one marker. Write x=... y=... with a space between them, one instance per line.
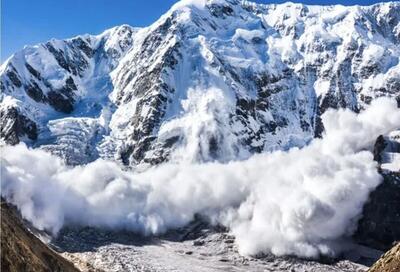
x=295 y=202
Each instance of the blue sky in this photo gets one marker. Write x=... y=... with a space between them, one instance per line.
x=33 y=21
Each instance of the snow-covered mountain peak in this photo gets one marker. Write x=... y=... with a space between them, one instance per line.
x=57 y=79
x=209 y=80
x=118 y=39
x=201 y=4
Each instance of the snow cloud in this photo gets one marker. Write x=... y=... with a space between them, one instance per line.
x=296 y=202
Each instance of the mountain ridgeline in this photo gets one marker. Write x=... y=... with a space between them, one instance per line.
x=209 y=80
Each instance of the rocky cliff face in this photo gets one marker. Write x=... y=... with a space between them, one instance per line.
x=209 y=80
x=61 y=83
x=22 y=251
x=389 y=262
x=378 y=226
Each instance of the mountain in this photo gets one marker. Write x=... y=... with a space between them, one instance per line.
x=61 y=84
x=389 y=262
x=210 y=80
x=22 y=251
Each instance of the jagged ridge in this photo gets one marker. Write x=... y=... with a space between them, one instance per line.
x=214 y=80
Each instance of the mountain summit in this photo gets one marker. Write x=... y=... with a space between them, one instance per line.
x=209 y=80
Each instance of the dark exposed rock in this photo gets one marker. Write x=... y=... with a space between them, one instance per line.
x=14 y=125
x=59 y=56
x=70 y=84
x=220 y=10
x=366 y=99
x=369 y=70
x=378 y=226
x=82 y=45
x=63 y=99
x=170 y=141
x=32 y=70
x=13 y=76
x=244 y=106
x=379 y=146
x=161 y=150
x=75 y=64
x=141 y=147
x=60 y=102
x=125 y=154
x=34 y=92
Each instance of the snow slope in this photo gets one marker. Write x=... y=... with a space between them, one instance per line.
x=61 y=89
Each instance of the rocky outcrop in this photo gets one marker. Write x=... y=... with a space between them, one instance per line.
x=389 y=262
x=14 y=125
x=22 y=251
x=379 y=225
x=47 y=81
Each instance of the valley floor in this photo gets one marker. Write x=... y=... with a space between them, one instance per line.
x=198 y=247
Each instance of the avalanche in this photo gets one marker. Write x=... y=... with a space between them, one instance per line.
x=300 y=202
x=214 y=109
